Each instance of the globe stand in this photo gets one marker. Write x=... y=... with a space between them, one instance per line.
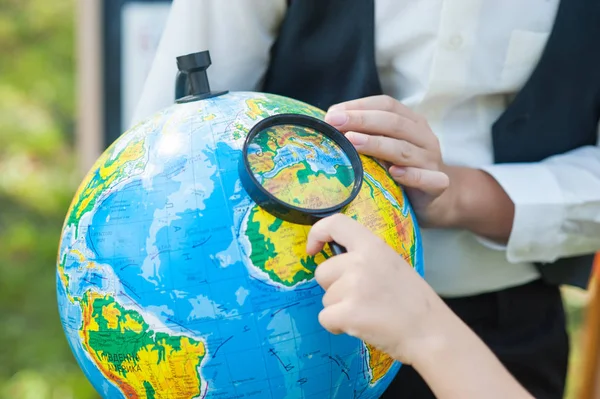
x=191 y=83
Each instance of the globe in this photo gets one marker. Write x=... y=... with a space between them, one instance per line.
x=172 y=283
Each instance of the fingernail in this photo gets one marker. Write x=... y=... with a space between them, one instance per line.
x=357 y=138
x=397 y=171
x=336 y=118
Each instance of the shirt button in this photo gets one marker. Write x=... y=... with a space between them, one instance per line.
x=456 y=41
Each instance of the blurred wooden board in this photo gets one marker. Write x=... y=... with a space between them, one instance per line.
x=590 y=366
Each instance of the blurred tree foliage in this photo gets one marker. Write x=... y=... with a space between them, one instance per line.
x=37 y=180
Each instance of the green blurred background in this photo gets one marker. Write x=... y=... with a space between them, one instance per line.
x=38 y=177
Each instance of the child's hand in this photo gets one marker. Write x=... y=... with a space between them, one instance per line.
x=382 y=127
x=371 y=292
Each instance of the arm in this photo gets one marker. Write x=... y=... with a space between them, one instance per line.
x=460 y=365
x=239 y=39
x=556 y=206
x=373 y=294
x=542 y=211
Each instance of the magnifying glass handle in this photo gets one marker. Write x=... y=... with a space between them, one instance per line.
x=336 y=248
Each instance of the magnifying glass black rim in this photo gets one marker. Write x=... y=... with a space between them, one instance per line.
x=282 y=209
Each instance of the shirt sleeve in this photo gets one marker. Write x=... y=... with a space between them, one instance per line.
x=238 y=37
x=557 y=206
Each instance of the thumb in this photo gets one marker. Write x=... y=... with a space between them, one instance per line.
x=339 y=228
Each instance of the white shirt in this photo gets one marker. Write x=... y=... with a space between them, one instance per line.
x=457 y=62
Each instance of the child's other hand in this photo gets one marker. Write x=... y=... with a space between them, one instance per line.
x=372 y=293
x=384 y=128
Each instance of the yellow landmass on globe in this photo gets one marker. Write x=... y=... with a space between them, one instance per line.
x=314 y=191
x=62 y=276
x=390 y=222
x=130 y=324
x=278 y=248
x=298 y=135
x=141 y=362
x=379 y=363
x=79 y=255
x=302 y=143
x=111 y=315
x=254 y=110
x=131 y=152
x=91 y=265
x=261 y=163
x=272 y=103
x=106 y=171
x=239 y=131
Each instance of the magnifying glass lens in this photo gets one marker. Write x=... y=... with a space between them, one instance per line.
x=301 y=167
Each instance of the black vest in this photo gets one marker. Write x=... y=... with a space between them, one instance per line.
x=325 y=54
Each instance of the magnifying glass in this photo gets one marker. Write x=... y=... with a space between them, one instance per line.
x=300 y=169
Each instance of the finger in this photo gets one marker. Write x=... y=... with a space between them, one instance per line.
x=330 y=271
x=339 y=290
x=428 y=181
x=377 y=122
x=341 y=229
x=335 y=318
x=398 y=152
x=314 y=245
x=382 y=102
x=331 y=297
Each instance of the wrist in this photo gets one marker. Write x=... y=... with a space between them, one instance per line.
x=464 y=194
x=438 y=340
x=479 y=204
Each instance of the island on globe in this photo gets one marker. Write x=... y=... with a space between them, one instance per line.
x=172 y=283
